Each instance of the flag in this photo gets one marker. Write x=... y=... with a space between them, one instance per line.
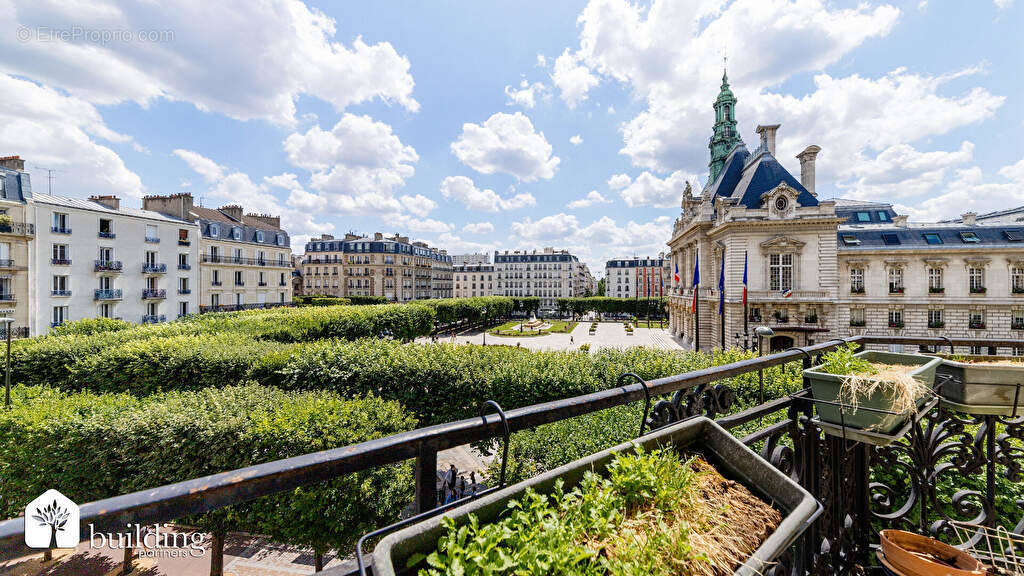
x=744 y=279
x=677 y=274
x=721 y=288
x=787 y=293
x=696 y=281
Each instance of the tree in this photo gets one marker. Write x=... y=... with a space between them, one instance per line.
x=600 y=287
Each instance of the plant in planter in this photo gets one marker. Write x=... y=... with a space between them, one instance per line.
x=5 y=221
x=983 y=384
x=937 y=324
x=897 y=384
x=856 y=290
x=976 y=325
x=978 y=289
x=686 y=499
x=896 y=324
x=934 y=290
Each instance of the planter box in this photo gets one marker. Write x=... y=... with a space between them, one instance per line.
x=723 y=451
x=826 y=387
x=981 y=387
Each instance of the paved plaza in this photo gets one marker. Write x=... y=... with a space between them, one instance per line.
x=608 y=335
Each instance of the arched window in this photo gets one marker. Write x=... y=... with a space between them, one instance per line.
x=725 y=112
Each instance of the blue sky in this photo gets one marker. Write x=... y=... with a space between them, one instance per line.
x=481 y=126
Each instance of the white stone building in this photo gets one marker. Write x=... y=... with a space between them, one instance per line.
x=93 y=258
x=548 y=274
x=472 y=280
x=637 y=277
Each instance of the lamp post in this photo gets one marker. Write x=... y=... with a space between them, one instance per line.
x=7 y=322
x=737 y=340
x=761 y=331
x=485 y=325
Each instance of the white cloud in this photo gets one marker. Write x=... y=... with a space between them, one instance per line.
x=246 y=64
x=970 y=191
x=1003 y=4
x=649 y=190
x=506 y=143
x=478 y=228
x=64 y=133
x=422 y=225
x=596 y=242
x=619 y=181
x=547 y=228
x=297 y=209
x=901 y=171
x=526 y=95
x=357 y=165
x=576 y=140
x=593 y=197
x=464 y=190
x=572 y=79
x=419 y=204
x=542 y=61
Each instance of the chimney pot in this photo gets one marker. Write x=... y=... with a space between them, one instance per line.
x=112 y=202
x=807 y=159
x=13 y=163
x=767 y=133
x=969 y=218
x=900 y=221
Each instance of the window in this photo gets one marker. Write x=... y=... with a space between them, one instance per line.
x=280 y=239
x=1014 y=235
x=215 y=277
x=236 y=233
x=259 y=235
x=976 y=350
x=151 y=233
x=60 y=254
x=780 y=269
x=895 y=318
x=106 y=310
x=183 y=263
x=851 y=240
x=1017 y=280
x=151 y=259
x=182 y=309
x=239 y=278
x=977 y=279
x=61 y=223
x=857 y=280
x=215 y=300
x=3 y=191
x=214 y=230
x=890 y=238
x=935 y=280
x=60 y=315
x=1018 y=351
x=932 y=238
x=976 y=320
x=935 y=319
x=183 y=237
x=896 y=280
x=863 y=217
x=781 y=203
x=60 y=285
x=883 y=216
x=106 y=228
x=1017 y=320
x=183 y=286
x=857 y=317
x=969 y=237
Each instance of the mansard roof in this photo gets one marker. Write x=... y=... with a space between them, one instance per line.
x=949 y=236
x=746 y=177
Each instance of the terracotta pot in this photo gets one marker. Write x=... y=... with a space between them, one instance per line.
x=909 y=554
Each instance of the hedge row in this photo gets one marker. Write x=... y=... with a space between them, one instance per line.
x=608 y=305
x=321 y=301
x=93 y=446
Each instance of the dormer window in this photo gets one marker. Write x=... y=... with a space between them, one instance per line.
x=933 y=238
x=1011 y=235
x=236 y=233
x=259 y=235
x=890 y=239
x=214 y=230
x=863 y=217
x=883 y=216
x=280 y=239
x=851 y=240
x=969 y=237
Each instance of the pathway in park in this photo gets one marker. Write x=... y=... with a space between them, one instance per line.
x=609 y=335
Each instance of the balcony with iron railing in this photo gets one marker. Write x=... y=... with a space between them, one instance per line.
x=152 y=239
x=60 y=261
x=154 y=318
x=60 y=230
x=943 y=467
x=184 y=291
x=154 y=268
x=60 y=293
x=7 y=297
x=7 y=263
x=107 y=235
x=107 y=294
x=107 y=266
x=154 y=294
x=239 y=307
x=184 y=266
x=244 y=261
x=18 y=229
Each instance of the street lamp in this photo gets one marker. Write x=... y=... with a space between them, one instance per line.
x=737 y=340
x=485 y=325
x=7 y=321
x=761 y=331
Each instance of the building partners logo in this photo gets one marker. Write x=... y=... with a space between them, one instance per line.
x=151 y=541
x=51 y=521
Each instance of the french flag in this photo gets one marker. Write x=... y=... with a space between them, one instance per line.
x=696 y=282
x=677 y=273
x=744 y=279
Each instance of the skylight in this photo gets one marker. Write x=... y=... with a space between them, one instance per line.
x=863 y=217
x=970 y=237
x=883 y=216
x=933 y=238
x=1014 y=235
x=851 y=240
x=890 y=238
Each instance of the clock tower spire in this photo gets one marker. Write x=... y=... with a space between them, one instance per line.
x=725 y=136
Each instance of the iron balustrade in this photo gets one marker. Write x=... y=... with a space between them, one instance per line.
x=19 y=228
x=18 y=332
x=101 y=294
x=60 y=292
x=152 y=240
x=6 y=263
x=239 y=307
x=60 y=230
x=60 y=261
x=103 y=234
x=184 y=266
x=836 y=471
x=154 y=318
x=107 y=266
x=242 y=260
x=7 y=297
x=158 y=294
x=154 y=268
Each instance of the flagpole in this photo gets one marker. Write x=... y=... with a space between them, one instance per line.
x=696 y=301
x=746 y=313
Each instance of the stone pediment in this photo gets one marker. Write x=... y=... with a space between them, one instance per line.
x=782 y=244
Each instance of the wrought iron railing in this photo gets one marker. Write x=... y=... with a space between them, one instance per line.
x=944 y=470
x=107 y=266
x=153 y=268
x=239 y=307
x=19 y=228
x=218 y=259
x=154 y=294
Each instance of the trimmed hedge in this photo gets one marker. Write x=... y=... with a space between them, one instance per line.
x=606 y=305
x=451 y=310
x=92 y=446
x=321 y=301
x=90 y=326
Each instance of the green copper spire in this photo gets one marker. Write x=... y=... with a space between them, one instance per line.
x=725 y=136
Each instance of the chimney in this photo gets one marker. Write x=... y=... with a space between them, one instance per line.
x=351 y=236
x=272 y=221
x=378 y=236
x=969 y=218
x=112 y=202
x=768 y=137
x=233 y=211
x=176 y=205
x=12 y=163
x=900 y=221
x=327 y=237
x=807 y=158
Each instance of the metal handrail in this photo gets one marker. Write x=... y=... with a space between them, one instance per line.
x=216 y=491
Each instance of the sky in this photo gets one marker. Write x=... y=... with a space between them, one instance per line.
x=480 y=126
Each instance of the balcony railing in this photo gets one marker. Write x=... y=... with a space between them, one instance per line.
x=154 y=294
x=6 y=263
x=242 y=260
x=60 y=293
x=976 y=325
x=261 y=284
x=910 y=484
x=19 y=228
x=216 y=283
x=104 y=294
x=1017 y=325
x=184 y=291
x=937 y=324
x=152 y=239
x=238 y=307
x=60 y=261
x=16 y=332
x=107 y=266
x=154 y=318
x=7 y=297
x=858 y=323
x=936 y=290
x=184 y=266
x=184 y=242
x=978 y=289
x=103 y=234
x=60 y=230
x=150 y=268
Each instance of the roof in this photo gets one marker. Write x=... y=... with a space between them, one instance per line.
x=1007 y=216
x=214 y=215
x=864 y=212
x=93 y=206
x=746 y=177
x=942 y=235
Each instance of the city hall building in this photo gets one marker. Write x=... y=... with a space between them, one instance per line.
x=818 y=269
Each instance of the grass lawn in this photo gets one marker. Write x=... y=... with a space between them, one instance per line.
x=651 y=324
x=512 y=329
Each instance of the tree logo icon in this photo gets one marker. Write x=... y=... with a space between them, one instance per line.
x=51 y=521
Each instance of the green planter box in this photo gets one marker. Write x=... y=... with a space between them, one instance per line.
x=982 y=387
x=826 y=387
x=722 y=450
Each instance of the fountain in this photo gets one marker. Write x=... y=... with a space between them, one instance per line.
x=533 y=323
